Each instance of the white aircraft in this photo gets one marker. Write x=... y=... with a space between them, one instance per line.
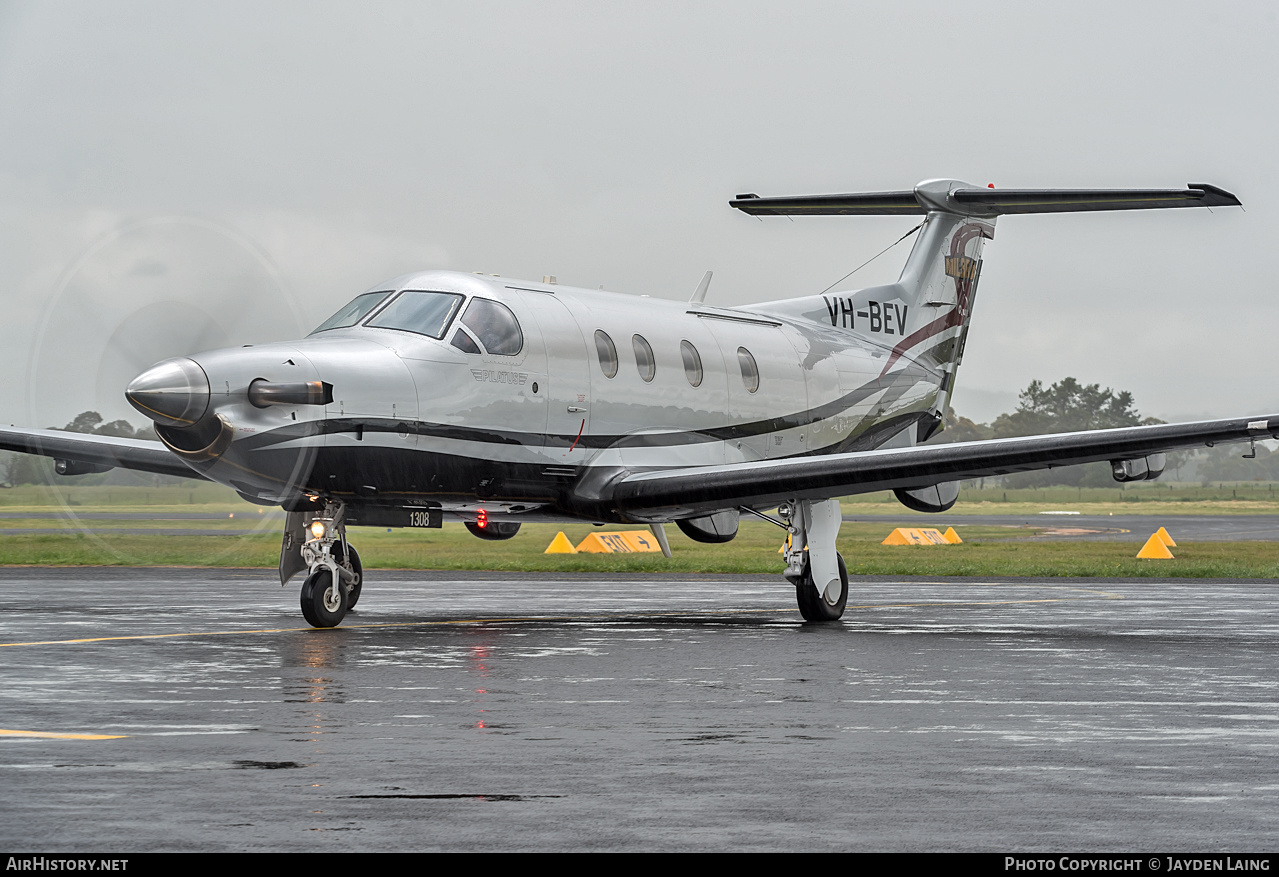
x=496 y=401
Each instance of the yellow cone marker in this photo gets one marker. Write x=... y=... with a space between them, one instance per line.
x=560 y=545
x=952 y=537
x=1165 y=538
x=1154 y=549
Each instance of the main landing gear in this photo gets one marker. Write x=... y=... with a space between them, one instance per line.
x=813 y=565
x=317 y=543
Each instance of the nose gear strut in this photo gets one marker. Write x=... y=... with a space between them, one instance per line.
x=315 y=540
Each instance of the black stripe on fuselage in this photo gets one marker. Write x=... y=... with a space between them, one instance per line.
x=598 y=441
x=377 y=475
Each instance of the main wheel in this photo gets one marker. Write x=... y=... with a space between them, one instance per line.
x=351 y=560
x=814 y=606
x=324 y=601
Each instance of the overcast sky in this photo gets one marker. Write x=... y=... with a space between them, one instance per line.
x=182 y=175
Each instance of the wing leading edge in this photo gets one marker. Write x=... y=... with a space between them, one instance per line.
x=96 y=450
x=664 y=495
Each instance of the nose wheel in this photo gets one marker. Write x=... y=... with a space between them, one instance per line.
x=324 y=600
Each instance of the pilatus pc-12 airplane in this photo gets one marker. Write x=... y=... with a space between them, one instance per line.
x=493 y=401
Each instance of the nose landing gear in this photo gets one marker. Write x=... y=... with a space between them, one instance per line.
x=317 y=543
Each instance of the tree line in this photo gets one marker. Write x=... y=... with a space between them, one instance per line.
x=18 y=469
x=1069 y=406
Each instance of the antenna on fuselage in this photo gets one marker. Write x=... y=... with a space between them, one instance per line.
x=700 y=295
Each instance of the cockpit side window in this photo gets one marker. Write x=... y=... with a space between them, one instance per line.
x=495 y=326
x=356 y=309
x=463 y=341
x=426 y=313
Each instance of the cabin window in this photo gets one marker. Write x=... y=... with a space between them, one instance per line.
x=692 y=363
x=607 y=352
x=464 y=342
x=356 y=309
x=750 y=371
x=495 y=326
x=644 y=358
x=426 y=313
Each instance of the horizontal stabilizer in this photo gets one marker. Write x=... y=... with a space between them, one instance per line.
x=863 y=204
x=955 y=197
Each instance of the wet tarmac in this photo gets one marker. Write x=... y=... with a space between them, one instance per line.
x=571 y=712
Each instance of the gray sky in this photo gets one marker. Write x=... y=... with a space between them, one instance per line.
x=176 y=175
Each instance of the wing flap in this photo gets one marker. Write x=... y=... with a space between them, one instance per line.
x=100 y=450
x=665 y=495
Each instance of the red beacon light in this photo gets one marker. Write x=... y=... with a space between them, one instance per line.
x=481 y=519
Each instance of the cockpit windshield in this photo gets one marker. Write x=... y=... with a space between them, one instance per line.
x=426 y=313
x=357 y=309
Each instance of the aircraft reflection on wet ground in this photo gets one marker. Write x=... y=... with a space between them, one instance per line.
x=590 y=712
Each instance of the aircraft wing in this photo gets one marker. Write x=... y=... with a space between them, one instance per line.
x=678 y=493
x=99 y=452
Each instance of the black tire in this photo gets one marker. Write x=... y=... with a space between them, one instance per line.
x=813 y=606
x=353 y=589
x=318 y=606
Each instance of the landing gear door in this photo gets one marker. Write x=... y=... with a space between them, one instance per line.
x=568 y=390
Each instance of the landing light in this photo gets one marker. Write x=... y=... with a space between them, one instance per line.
x=317 y=529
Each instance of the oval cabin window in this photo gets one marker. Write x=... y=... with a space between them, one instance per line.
x=644 y=358
x=750 y=371
x=692 y=363
x=607 y=353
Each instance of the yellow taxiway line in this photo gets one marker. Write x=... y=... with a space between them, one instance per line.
x=52 y=736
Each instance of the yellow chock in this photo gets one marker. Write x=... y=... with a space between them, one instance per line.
x=560 y=545
x=1165 y=538
x=1154 y=549
x=952 y=537
x=915 y=536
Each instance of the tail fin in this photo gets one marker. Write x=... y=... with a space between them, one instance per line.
x=924 y=316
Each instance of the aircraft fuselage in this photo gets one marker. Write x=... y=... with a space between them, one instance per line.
x=418 y=421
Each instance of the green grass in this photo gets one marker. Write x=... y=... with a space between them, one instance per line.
x=987 y=551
